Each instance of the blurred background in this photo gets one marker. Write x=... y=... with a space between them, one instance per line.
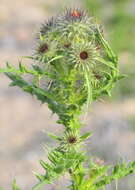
x=24 y=122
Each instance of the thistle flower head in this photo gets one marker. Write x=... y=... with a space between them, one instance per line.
x=70 y=141
x=47 y=27
x=72 y=15
x=43 y=48
x=83 y=55
x=46 y=49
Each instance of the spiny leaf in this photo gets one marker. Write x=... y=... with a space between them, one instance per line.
x=14 y=185
x=109 y=51
x=85 y=136
x=38 y=69
x=28 y=57
x=39 y=176
x=122 y=76
x=45 y=165
x=119 y=170
x=54 y=136
x=40 y=185
x=108 y=63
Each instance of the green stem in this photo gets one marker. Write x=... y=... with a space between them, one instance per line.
x=116 y=184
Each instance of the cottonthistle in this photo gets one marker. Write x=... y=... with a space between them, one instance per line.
x=72 y=48
x=73 y=65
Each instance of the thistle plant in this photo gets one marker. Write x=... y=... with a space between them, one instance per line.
x=73 y=65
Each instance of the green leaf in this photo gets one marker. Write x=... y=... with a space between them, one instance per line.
x=8 y=65
x=43 y=92
x=14 y=185
x=116 y=169
x=38 y=69
x=28 y=57
x=111 y=55
x=85 y=136
x=18 y=80
x=53 y=136
x=45 y=165
x=122 y=76
x=40 y=185
x=59 y=169
x=5 y=70
x=119 y=171
x=108 y=63
x=69 y=164
x=21 y=67
x=39 y=176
